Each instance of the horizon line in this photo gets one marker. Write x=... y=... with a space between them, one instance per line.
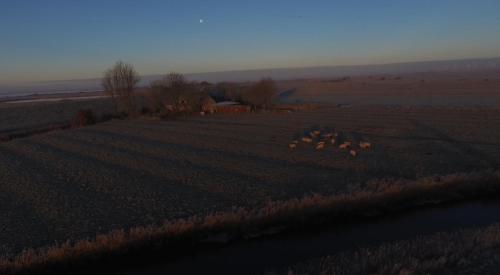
x=263 y=69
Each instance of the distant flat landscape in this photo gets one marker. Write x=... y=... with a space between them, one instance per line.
x=91 y=85
x=60 y=185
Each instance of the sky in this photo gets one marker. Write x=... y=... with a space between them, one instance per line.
x=76 y=39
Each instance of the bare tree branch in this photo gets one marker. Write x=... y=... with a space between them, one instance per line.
x=119 y=82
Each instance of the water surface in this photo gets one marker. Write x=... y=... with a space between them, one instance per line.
x=257 y=256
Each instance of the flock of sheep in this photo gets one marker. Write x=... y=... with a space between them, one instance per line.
x=320 y=139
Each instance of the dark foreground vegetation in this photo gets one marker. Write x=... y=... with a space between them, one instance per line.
x=377 y=199
x=472 y=251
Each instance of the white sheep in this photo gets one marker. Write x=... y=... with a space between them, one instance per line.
x=345 y=145
x=365 y=145
x=320 y=145
x=307 y=139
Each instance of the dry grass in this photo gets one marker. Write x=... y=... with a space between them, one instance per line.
x=377 y=198
x=472 y=251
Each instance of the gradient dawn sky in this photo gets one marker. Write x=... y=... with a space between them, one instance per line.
x=69 y=39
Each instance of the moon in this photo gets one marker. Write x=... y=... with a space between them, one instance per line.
x=201 y=21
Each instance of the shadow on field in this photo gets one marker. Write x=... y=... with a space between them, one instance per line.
x=201 y=151
x=466 y=149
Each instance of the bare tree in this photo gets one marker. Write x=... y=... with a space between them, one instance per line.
x=174 y=93
x=176 y=81
x=119 y=82
x=260 y=94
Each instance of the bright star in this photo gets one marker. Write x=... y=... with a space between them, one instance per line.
x=201 y=21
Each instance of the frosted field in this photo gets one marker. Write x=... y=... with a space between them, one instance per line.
x=72 y=184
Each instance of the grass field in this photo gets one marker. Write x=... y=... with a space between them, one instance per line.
x=22 y=119
x=136 y=172
x=124 y=173
x=417 y=89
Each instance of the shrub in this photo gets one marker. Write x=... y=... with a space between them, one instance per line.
x=208 y=105
x=260 y=94
x=83 y=118
x=174 y=94
x=154 y=100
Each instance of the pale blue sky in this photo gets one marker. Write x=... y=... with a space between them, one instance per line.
x=69 y=39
